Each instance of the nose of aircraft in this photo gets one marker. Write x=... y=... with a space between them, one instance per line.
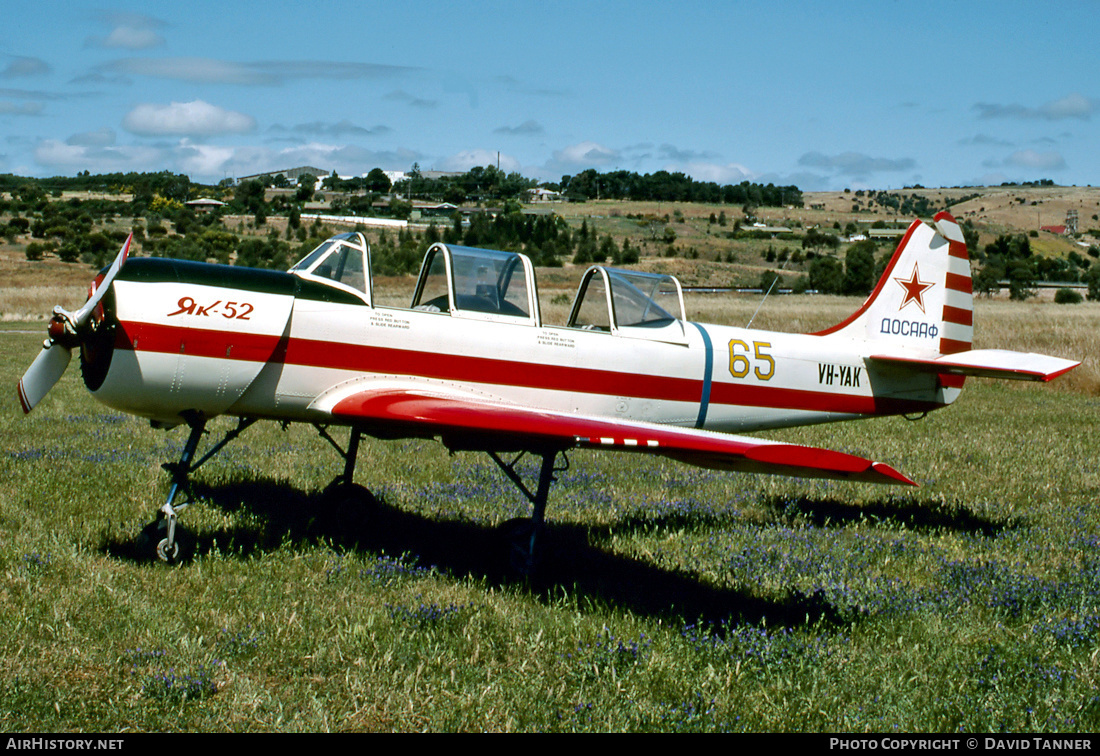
x=65 y=331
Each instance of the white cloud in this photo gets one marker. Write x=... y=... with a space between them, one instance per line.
x=1074 y=105
x=204 y=159
x=129 y=38
x=267 y=73
x=207 y=162
x=25 y=66
x=855 y=163
x=730 y=173
x=104 y=137
x=1071 y=106
x=27 y=108
x=196 y=118
x=586 y=155
x=527 y=128
x=56 y=155
x=467 y=159
x=201 y=70
x=1042 y=161
x=131 y=31
x=400 y=95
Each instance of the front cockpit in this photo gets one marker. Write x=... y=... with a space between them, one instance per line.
x=342 y=261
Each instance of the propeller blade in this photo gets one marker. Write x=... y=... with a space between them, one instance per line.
x=81 y=316
x=44 y=372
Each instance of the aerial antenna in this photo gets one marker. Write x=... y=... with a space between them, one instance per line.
x=769 y=291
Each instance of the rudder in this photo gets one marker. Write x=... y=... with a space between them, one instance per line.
x=924 y=299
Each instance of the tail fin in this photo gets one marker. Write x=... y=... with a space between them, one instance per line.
x=921 y=314
x=924 y=301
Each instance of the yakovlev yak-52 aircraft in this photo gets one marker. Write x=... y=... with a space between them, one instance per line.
x=471 y=362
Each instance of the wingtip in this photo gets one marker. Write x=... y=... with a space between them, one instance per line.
x=891 y=475
x=1051 y=376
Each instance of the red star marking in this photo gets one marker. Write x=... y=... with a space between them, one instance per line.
x=914 y=289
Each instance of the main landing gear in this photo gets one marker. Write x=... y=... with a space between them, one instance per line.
x=525 y=535
x=347 y=503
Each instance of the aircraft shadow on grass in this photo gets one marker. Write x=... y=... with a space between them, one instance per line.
x=905 y=512
x=274 y=513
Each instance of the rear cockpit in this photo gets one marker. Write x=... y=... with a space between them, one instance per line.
x=629 y=303
x=494 y=286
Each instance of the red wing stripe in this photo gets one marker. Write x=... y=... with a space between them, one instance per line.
x=446 y=415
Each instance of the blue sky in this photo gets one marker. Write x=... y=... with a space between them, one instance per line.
x=821 y=95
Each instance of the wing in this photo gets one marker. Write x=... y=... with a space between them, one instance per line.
x=474 y=423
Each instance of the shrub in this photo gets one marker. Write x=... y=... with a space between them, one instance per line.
x=1067 y=296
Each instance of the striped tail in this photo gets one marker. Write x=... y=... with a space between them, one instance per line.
x=924 y=301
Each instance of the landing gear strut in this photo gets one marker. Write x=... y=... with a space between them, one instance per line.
x=346 y=499
x=163 y=538
x=525 y=535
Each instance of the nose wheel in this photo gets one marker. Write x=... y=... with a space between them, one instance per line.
x=165 y=541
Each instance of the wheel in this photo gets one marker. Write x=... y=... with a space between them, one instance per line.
x=349 y=508
x=152 y=542
x=522 y=541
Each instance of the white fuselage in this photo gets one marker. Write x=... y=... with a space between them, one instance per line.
x=261 y=353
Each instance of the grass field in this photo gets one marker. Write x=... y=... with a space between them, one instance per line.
x=672 y=599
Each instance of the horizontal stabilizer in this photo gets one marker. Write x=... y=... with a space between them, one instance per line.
x=474 y=423
x=987 y=363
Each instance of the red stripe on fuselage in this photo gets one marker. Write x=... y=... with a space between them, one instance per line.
x=149 y=337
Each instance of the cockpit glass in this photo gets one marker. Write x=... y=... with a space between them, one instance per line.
x=338 y=259
x=432 y=295
x=344 y=265
x=307 y=262
x=592 y=314
x=646 y=300
x=643 y=300
x=490 y=281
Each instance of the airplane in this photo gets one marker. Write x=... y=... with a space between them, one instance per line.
x=471 y=362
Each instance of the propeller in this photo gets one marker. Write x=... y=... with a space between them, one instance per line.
x=66 y=331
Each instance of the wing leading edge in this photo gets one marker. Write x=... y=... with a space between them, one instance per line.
x=473 y=423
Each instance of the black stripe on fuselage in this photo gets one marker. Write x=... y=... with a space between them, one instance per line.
x=162 y=270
